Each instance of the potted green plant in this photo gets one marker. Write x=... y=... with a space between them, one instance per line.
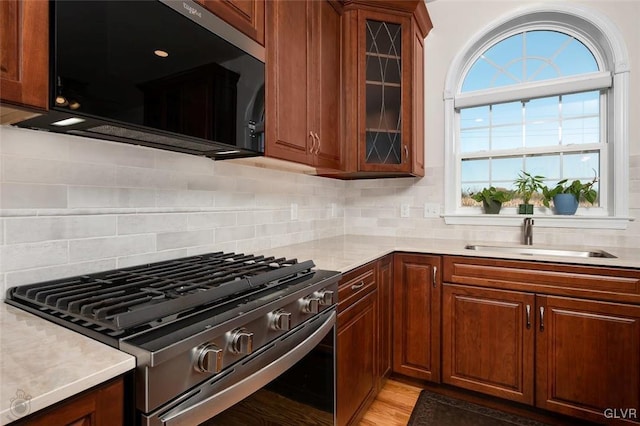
x=526 y=185
x=566 y=197
x=491 y=199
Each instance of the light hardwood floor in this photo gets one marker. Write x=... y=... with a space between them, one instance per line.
x=392 y=406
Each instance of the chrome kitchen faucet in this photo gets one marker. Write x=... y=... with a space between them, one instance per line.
x=527 y=231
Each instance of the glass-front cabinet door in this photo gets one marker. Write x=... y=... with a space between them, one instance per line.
x=385 y=75
x=383 y=93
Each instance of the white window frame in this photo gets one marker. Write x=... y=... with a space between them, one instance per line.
x=603 y=38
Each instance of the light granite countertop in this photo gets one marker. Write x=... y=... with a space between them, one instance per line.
x=45 y=363
x=345 y=253
x=42 y=363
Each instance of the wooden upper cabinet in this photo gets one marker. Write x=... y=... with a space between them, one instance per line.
x=384 y=87
x=588 y=358
x=24 y=40
x=303 y=82
x=416 y=325
x=245 y=15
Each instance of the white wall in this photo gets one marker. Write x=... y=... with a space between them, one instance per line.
x=72 y=205
x=373 y=207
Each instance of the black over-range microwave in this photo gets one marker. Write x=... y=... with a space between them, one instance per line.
x=167 y=74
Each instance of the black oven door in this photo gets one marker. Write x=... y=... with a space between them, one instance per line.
x=290 y=381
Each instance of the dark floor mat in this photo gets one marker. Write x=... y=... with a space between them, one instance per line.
x=439 y=410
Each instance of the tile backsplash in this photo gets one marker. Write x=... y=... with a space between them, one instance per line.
x=71 y=205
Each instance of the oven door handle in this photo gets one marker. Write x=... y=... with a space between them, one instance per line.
x=195 y=413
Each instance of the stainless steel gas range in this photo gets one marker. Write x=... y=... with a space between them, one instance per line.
x=219 y=338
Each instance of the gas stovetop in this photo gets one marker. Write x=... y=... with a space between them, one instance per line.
x=198 y=318
x=123 y=302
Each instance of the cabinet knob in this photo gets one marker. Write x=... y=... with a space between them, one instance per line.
x=318 y=144
x=406 y=152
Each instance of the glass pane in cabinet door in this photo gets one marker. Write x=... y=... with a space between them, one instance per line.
x=383 y=93
x=383 y=147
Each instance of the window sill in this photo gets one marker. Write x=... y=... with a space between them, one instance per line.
x=545 y=221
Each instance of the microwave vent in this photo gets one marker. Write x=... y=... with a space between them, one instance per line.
x=138 y=136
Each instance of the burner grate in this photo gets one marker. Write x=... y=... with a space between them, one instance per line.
x=126 y=298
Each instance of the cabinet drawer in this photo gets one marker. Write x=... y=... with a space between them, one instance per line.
x=355 y=284
x=615 y=284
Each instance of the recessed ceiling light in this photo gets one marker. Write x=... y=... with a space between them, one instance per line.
x=161 y=53
x=68 y=121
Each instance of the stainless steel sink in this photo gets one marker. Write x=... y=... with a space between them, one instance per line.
x=533 y=251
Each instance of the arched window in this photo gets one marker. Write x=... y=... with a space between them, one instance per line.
x=545 y=91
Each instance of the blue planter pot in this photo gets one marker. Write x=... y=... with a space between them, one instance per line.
x=565 y=204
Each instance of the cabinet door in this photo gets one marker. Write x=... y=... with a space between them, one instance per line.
x=488 y=341
x=417 y=103
x=588 y=358
x=287 y=81
x=384 y=52
x=356 y=355
x=416 y=333
x=246 y=15
x=102 y=406
x=24 y=43
x=385 y=309
x=327 y=94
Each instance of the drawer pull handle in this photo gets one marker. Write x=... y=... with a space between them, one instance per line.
x=434 y=277
x=357 y=286
x=541 y=318
x=528 y=316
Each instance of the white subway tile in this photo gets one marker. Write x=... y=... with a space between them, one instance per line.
x=101 y=248
x=30 y=196
x=185 y=163
x=93 y=196
x=184 y=198
x=239 y=200
x=36 y=275
x=212 y=220
x=227 y=247
x=34 y=144
x=31 y=229
x=141 y=259
x=33 y=255
x=232 y=233
x=138 y=177
x=151 y=223
x=184 y=239
x=105 y=152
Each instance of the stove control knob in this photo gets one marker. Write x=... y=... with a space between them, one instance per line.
x=311 y=305
x=280 y=320
x=241 y=341
x=209 y=359
x=326 y=297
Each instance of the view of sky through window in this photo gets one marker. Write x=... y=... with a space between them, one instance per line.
x=555 y=136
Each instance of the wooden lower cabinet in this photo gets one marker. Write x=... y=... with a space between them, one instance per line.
x=356 y=374
x=101 y=406
x=588 y=359
x=572 y=354
x=416 y=316
x=488 y=341
x=385 y=318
